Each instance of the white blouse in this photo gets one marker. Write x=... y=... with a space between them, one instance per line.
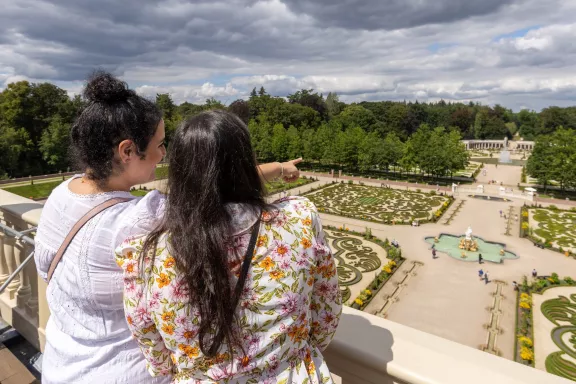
x=87 y=337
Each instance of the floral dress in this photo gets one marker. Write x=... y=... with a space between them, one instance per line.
x=288 y=311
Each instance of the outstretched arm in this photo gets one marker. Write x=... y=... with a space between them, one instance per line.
x=287 y=170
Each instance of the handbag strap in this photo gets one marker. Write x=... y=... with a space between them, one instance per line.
x=243 y=273
x=246 y=263
x=78 y=226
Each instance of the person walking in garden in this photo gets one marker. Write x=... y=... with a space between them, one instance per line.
x=480 y=274
x=480 y=259
x=534 y=273
x=433 y=253
x=515 y=285
x=486 y=280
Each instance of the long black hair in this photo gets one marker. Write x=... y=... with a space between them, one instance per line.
x=211 y=164
x=113 y=113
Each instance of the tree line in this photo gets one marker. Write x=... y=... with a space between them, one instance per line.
x=35 y=120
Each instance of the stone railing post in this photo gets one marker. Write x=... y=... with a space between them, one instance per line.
x=23 y=292
x=3 y=265
x=10 y=259
x=30 y=269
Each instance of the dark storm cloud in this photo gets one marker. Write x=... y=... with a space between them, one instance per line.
x=392 y=14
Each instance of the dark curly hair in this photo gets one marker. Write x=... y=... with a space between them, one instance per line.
x=113 y=113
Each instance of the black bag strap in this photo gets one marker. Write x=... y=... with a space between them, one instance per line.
x=246 y=263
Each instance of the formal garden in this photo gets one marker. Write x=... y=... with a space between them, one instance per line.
x=551 y=228
x=379 y=204
x=546 y=325
x=364 y=263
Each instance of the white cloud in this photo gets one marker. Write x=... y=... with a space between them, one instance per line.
x=363 y=50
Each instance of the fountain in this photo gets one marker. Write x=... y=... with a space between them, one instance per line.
x=468 y=243
x=505 y=153
x=468 y=248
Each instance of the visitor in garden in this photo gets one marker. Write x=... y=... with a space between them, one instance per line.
x=500 y=213
x=486 y=280
x=534 y=273
x=480 y=274
x=250 y=274
x=433 y=253
x=480 y=259
x=515 y=285
x=117 y=141
x=395 y=243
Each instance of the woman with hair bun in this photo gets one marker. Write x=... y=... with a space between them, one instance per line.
x=118 y=140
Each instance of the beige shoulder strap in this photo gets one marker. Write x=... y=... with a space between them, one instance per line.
x=79 y=224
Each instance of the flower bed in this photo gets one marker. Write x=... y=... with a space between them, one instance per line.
x=524 y=345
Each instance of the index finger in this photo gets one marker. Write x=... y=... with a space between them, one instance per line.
x=296 y=161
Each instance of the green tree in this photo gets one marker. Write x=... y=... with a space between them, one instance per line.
x=212 y=103
x=279 y=142
x=563 y=163
x=294 y=149
x=539 y=163
x=310 y=99
x=166 y=105
x=55 y=142
x=356 y=116
x=333 y=104
x=348 y=144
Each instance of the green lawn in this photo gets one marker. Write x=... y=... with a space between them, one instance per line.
x=35 y=191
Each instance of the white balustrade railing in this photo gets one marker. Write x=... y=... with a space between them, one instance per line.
x=366 y=348
x=19 y=303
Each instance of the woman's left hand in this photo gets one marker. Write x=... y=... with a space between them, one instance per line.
x=291 y=172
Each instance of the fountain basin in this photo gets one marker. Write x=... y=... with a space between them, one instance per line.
x=491 y=251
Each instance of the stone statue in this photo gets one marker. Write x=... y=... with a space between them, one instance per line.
x=469 y=233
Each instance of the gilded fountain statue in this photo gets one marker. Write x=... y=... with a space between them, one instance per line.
x=468 y=243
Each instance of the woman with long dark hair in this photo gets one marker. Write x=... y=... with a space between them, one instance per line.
x=118 y=140
x=229 y=288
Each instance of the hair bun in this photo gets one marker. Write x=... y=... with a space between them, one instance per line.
x=104 y=88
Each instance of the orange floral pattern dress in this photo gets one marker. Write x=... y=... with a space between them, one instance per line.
x=289 y=309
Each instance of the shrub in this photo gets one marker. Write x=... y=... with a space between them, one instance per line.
x=525 y=226
x=554 y=278
x=432 y=193
x=525 y=341
x=526 y=354
x=525 y=214
x=569 y=280
x=524 y=305
x=359 y=302
x=350 y=181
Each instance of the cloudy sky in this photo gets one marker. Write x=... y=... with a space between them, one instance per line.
x=520 y=53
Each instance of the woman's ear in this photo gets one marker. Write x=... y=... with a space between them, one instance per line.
x=126 y=150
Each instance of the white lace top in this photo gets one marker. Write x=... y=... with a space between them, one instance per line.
x=87 y=337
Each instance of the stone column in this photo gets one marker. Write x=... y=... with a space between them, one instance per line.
x=3 y=265
x=32 y=304
x=23 y=293
x=10 y=259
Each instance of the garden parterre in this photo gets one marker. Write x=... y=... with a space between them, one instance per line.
x=554 y=226
x=381 y=205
